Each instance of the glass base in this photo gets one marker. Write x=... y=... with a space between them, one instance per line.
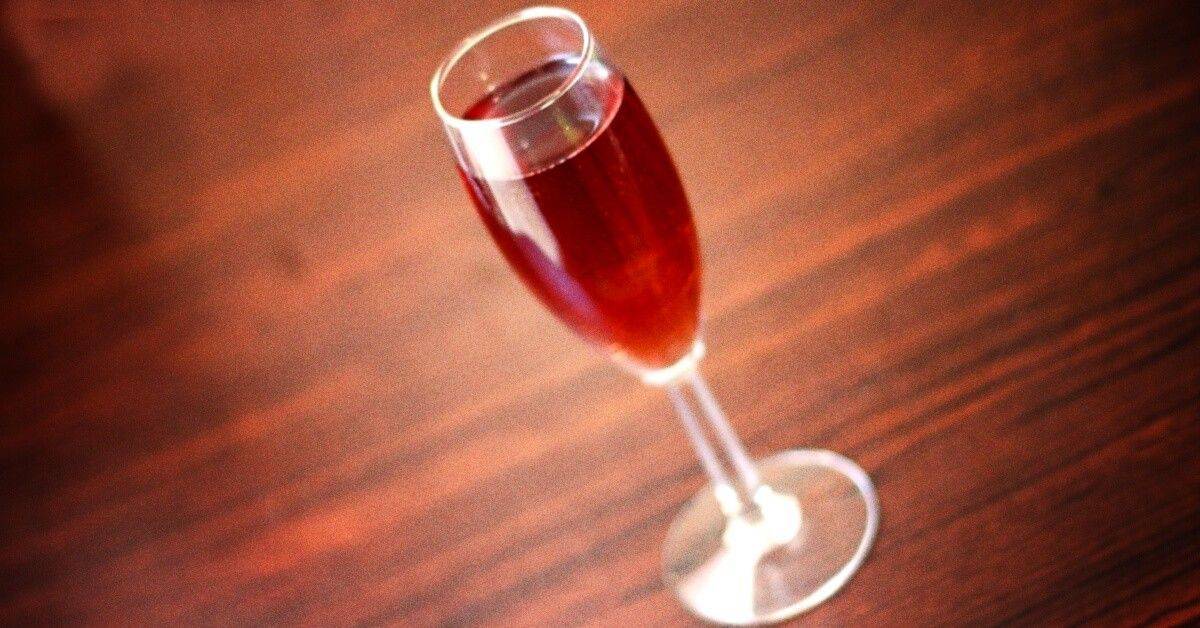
x=816 y=518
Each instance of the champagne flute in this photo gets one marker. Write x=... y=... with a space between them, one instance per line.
x=574 y=183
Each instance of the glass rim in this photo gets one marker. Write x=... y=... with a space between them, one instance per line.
x=586 y=53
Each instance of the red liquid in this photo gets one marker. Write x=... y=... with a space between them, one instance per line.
x=605 y=238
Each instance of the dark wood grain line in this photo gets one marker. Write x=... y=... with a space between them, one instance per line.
x=1164 y=548
x=1181 y=614
x=1050 y=404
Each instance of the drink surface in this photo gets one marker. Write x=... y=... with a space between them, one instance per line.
x=603 y=237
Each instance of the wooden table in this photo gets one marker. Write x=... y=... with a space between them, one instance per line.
x=261 y=364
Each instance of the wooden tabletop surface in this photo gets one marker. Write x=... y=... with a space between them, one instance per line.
x=260 y=362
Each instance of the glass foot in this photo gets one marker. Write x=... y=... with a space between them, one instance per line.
x=816 y=518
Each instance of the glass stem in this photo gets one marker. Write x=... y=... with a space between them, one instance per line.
x=722 y=454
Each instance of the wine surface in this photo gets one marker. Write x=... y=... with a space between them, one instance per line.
x=603 y=237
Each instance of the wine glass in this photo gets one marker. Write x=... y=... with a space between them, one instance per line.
x=575 y=185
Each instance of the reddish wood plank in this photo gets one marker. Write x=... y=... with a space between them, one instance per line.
x=260 y=364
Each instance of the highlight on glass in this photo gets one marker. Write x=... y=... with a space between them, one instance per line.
x=574 y=183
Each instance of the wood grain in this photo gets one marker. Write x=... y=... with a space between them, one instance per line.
x=261 y=364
